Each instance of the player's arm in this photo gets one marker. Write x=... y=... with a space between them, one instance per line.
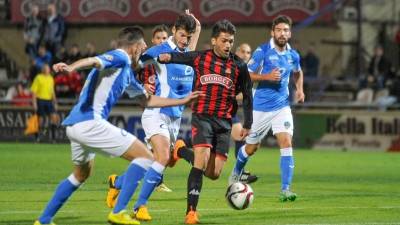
x=196 y=35
x=186 y=58
x=154 y=101
x=85 y=63
x=298 y=81
x=246 y=89
x=274 y=76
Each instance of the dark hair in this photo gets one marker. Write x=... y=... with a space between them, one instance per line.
x=129 y=35
x=160 y=28
x=185 y=22
x=223 y=26
x=281 y=19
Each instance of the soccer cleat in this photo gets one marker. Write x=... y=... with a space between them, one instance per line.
x=248 y=178
x=287 y=195
x=192 y=217
x=163 y=188
x=174 y=155
x=37 y=222
x=122 y=218
x=142 y=214
x=234 y=177
x=113 y=192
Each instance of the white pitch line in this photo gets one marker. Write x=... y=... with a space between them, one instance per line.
x=214 y=209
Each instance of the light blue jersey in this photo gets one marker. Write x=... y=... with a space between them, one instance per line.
x=270 y=96
x=103 y=87
x=173 y=80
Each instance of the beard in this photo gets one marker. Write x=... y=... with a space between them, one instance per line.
x=280 y=42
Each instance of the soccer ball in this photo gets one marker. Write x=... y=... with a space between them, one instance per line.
x=239 y=195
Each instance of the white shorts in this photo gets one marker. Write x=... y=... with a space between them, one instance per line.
x=101 y=135
x=154 y=122
x=281 y=121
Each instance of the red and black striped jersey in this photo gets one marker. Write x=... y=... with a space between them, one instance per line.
x=221 y=79
x=147 y=75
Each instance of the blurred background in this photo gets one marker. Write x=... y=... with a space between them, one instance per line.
x=350 y=53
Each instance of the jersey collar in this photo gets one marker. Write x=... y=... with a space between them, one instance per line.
x=124 y=52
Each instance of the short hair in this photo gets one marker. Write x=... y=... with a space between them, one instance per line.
x=281 y=19
x=185 y=22
x=129 y=35
x=222 y=26
x=160 y=28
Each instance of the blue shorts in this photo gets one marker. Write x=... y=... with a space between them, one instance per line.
x=45 y=107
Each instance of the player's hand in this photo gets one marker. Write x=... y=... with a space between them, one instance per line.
x=149 y=88
x=198 y=24
x=275 y=75
x=164 y=58
x=193 y=96
x=61 y=67
x=244 y=133
x=299 y=96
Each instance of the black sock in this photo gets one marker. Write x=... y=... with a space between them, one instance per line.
x=53 y=131
x=186 y=154
x=238 y=145
x=194 y=184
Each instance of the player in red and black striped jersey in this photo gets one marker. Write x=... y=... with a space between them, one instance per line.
x=221 y=75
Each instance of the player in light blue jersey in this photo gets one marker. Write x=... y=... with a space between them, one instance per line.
x=271 y=66
x=88 y=129
x=161 y=125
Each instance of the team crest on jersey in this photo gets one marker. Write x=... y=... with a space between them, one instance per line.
x=108 y=57
x=216 y=79
x=152 y=79
x=287 y=124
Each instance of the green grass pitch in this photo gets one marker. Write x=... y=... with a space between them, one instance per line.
x=333 y=188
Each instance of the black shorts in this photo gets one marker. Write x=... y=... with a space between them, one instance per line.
x=45 y=107
x=212 y=132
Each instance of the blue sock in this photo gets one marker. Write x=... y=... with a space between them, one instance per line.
x=65 y=189
x=131 y=178
x=150 y=181
x=238 y=146
x=118 y=181
x=287 y=167
x=241 y=161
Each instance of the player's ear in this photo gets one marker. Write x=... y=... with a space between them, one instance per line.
x=213 y=41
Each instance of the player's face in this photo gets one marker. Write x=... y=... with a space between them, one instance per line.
x=223 y=44
x=137 y=49
x=281 y=34
x=181 y=38
x=159 y=37
x=244 y=52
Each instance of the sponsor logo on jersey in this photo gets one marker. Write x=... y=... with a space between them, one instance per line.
x=216 y=79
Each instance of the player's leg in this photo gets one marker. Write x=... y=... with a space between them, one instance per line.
x=246 y=176
x=181 y=151
x=259 y=129
x=282 y=127
x=195 y=183
x=54 y=121
x=160 y=144
x=83 y=161
x=202 y=136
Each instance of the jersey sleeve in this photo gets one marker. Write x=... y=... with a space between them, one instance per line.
x=114 y=58
x=256 y=60
x=186 y=58
x=246 y=89
x=296 y=61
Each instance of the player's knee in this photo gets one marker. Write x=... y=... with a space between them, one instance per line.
x=251 y=149
x=285 y=143
x=162 y=158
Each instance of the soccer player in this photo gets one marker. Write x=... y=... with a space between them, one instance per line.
x=276 y=61
x=88 y=129
x=221 y=75
x=44 y=100
x=162 y=124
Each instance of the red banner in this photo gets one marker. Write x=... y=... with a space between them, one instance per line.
x=165 y=11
